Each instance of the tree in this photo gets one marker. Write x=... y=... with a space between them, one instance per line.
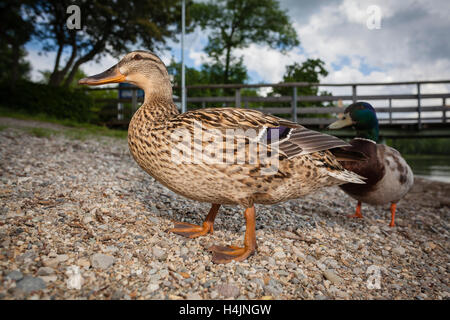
x=237 y=24
x=107 y=26
x=15 y=31
x=309 y=71
x=208 y=74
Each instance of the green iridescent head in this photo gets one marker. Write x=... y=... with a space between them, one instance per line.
x=362 y=116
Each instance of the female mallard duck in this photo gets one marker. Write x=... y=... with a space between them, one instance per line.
x=388 y=175
x=161 y=140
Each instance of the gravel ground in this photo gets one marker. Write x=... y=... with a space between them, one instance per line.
x=80 y=220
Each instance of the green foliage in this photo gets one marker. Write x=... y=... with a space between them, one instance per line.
x=107 y=26
x=237 y=24
x=9 y=58
x=72 y=129
x=41 y=132
x=208 y=74
x=309 y=71
x=421 y=146
x=34 y=98
x=15 y=31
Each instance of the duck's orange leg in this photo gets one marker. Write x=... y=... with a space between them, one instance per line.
x=393 y=208
x=227 y=254
x=358 y=213
x=193 y=231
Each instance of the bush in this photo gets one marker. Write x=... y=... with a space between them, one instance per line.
x=58 y=102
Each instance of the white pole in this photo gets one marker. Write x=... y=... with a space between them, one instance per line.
x=183 y=75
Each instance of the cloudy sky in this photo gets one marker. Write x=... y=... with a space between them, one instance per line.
x=411 y=43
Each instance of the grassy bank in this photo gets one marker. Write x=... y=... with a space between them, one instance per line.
x=70 y=128
x=425 y=146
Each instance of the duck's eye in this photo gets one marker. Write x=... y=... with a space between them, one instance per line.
x=137 y=57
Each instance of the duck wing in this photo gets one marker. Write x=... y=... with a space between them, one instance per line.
x=291 y=138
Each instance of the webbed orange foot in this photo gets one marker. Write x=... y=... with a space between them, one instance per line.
x=358 y=213
x=192 y=231
x=227 y=254
x=189 y=230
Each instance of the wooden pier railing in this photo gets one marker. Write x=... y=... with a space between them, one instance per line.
x=418 y=113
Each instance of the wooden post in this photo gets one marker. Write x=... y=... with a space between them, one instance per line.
x=354 y=93
x=238 y=98
x=444 y=112
x=294 y=104
x=134 y=100
x=419 y=108
x=390 y=111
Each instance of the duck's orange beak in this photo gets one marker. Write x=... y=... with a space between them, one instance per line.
x=112 y=75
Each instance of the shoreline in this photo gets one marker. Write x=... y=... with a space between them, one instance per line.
x=85 y=203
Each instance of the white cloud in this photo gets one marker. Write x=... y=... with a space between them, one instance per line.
x=268 y=63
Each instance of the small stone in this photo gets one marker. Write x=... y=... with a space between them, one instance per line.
x=117 y=295
x=399 y=250
x=29 y=284
x=45 y=271
x=102 y=261
x=50 y=262
x=279 y=255
x=193 y=296
x=83 y=263
x=357 y=271
x=15 y=275
x=159 y=253
x=111 y=249
x=152 y=287
x=374 y=229
x=228 y=290
x=333 y=277
x=214 y=294
x=271 y=290
x=298 y=253
x=62 y=258
x=48 y=279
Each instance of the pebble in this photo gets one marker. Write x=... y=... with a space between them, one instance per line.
x=15 y=275
x=193 y=296
x=48 y=279
x=332 y=276
x=152 y=287
x=95 y=199
x=45 y=271
x=159 y=253
x=83 y=263
x=279 y=255
x=50 y=262
x=29 y=284
x=102 y=261
x=228 y=290
x=399 y=250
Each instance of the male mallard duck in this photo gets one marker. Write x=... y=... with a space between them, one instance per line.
x=159 y=139
x=388 y=175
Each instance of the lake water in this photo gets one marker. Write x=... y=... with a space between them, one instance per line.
x=431 y=167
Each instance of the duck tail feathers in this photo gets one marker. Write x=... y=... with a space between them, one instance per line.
x=347 y=176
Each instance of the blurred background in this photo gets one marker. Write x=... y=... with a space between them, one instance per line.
x=302 y=60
